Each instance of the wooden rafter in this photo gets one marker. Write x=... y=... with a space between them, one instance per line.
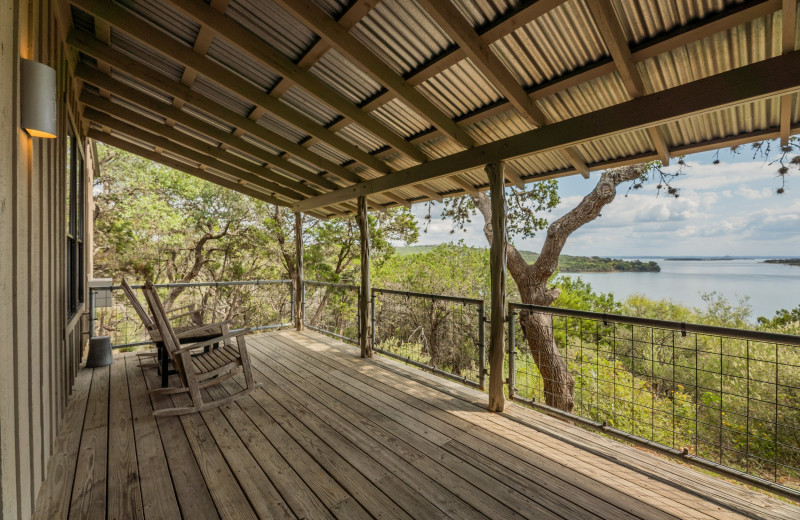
x=103 y=110
x=358 y=53
x=161 y=82
x=788 y=44
x=681 y=36
x=453 y=22
x=95 y=77
x=122 y=19
x=761 y=80
x=163 y=143
x=611 y=32
x=261 y=51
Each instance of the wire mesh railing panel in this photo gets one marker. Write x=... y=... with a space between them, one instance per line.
x=332 y=309
x=728 y=396
x=443 y=334
x=257 y=304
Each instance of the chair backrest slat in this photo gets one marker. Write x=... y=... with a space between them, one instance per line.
x=137 y=306
x=168 y=335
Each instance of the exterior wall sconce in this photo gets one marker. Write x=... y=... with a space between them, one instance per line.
x=38 y=99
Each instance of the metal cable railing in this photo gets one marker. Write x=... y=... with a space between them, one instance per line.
x=332 y=308
x=444 y=334
x=256 y=304
x=725 y=396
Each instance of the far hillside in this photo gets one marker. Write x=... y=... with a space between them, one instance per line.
x=570 y=264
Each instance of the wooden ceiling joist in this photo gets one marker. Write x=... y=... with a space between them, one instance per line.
x=340 y=38
x=155 y=79
x=733 y=16
x=190 y=154
x=127 y=22
x=113 y=111
x=100 y=80
x=608 y=23
x=278 y=62
x=788 y=44
x=456 y=26
x=761 y=80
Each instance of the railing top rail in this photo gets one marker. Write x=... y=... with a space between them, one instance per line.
x=753 y=335
x=332 y=284
x=459 y=299
x=194 y=284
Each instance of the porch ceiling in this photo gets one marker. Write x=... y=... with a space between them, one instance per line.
x=310 y=103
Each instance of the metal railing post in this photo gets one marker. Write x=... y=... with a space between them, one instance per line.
x=303 y=302
x=512 y=354
x=92 y=311
x=372 y=318
x=291 y=302
x=482 y=345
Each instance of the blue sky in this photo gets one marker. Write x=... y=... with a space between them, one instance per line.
x=729 y=208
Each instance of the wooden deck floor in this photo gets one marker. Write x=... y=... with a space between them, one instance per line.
x=334 y=436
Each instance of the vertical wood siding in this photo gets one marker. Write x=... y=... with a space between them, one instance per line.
x=39 y=350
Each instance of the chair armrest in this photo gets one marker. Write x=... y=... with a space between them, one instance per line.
x=218 y=339
x=176 y=309
x=200 y=328
x=181 y=315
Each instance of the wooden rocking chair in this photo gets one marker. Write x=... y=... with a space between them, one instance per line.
x=202 y=369
x=192 y=333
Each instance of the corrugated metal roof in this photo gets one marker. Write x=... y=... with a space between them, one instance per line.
x=309 y=106
x=146 y=55
x=460 y=89
x=344 y=76
x=273 y=24
x=167 y=18
x=402 y=34
x=141 y=86
x=223 y=96
x=82 y=20
x=229 y=56
x=559 y=41
x=406 y=38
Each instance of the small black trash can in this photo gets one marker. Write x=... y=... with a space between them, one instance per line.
x=99 y=352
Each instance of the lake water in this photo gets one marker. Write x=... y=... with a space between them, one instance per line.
x=769 y=286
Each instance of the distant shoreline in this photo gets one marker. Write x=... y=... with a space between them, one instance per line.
x=783 y=261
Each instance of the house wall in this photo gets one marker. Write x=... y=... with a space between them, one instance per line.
x=39 y=347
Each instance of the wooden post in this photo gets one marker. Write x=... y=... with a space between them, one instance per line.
x=498 y=275
x=298 y=282
x=364 y=308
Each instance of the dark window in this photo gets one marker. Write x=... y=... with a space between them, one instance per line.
x=74 y=224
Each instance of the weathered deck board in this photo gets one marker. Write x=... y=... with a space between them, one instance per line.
x=331 y=435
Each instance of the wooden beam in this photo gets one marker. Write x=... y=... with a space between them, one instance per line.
x=262 y=52
x=430 y=192
x=576 y=161
x=97 y=78
x=365 y=292
x=168 y=46
x=398 y=199
x=497 y=265
x=761 y=80
x=456 y=26
x=357 y=10
x=160 y=82
x=106 y=113
x=298 y=280
x=788 y=44
x=612 y=33
x=514 y=179
x=165 y=144
x=127 y=146
x=680 y=36
x=358 y=53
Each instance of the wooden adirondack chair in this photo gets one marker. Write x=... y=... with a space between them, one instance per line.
x=194 y=332
x=204 y=368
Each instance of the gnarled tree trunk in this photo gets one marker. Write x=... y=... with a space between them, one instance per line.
x=531 y=279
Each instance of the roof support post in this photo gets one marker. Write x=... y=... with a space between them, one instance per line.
x=365 y=293
x=299 y=304
x=498 y=286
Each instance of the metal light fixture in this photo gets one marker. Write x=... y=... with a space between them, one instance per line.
x=37 y=99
